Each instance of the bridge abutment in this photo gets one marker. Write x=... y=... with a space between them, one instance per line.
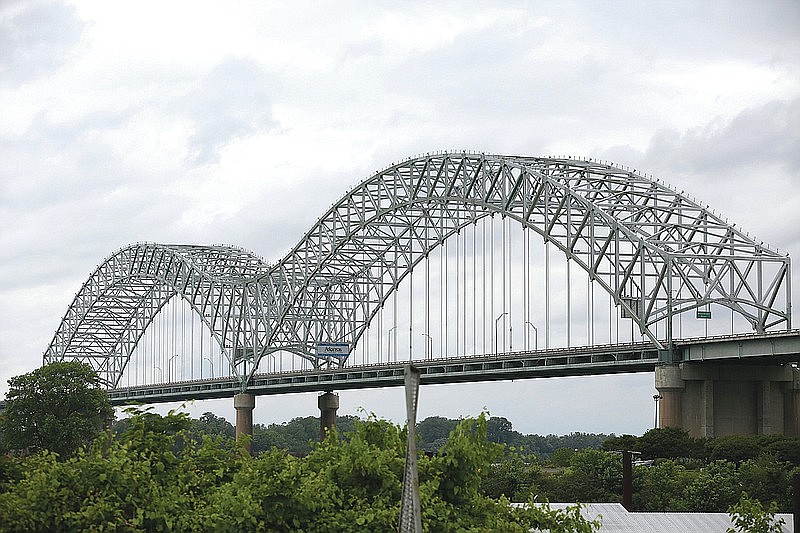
x=244 y=403
x=717 y=399
x=328 y=405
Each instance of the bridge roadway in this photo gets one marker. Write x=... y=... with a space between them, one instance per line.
x=773 y=347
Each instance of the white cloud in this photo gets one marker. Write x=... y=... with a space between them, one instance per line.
x=189 y=122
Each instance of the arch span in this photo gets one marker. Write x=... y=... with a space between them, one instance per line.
x=655 y=251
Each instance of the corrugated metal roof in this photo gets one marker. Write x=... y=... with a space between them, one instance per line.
x=615 y=519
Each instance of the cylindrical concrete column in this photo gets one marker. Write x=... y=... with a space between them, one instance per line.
x=670 y=386
x=244 y=403
x=328 y=405
x=791 y=405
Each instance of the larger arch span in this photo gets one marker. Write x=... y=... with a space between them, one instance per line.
x=657 y=253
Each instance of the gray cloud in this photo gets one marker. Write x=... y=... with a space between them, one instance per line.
x=764 y=135
x=35 y=39
x=85 y=179
x=232 y=102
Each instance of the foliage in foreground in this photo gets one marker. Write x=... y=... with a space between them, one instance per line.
x=750 y=516
x=157 y=475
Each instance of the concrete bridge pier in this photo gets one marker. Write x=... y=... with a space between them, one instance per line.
x=328 y=405
x=244 y=403
x=717 y=399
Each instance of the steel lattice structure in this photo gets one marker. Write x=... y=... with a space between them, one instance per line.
x=657 y=252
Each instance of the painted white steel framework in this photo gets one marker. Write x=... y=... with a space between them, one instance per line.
x=655 y=251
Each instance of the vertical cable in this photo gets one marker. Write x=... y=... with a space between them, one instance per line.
x=458 y=292
x=483 y=282
x=525 y=289
x=380 y=334
x=491 y=275
x=446 y=303
x=510 y=298
x=504 y=250
x=546 y=295
x=569 y=301
x=474 y=289
x=464 y=289
x=191 y=343
x=410 y=313
x=394 y=319
x=429 y=343
x=591 y=311
x=443 y=341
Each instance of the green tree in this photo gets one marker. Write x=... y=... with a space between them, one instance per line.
x=768 y=480
x=750 y=516
x=58 y=407
x=499 y=429
x=660 y=487
x=211 y=424
x=592 y=476
x=668 y=443
x=514 y=479
x=155 y=476
x=433 y=432
x=714 y=488
x=619 y=443
x=561 y=456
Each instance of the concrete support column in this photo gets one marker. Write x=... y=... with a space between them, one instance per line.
x=328 y=405
x=712 y=399
x=244 y=403
x=791 y=405
x=764 y=408
x=707 y=408
x=670 y=386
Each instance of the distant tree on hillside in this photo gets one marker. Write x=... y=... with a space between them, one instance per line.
x=211 y=424
x=433 y=432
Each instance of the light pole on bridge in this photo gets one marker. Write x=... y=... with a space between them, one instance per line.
x=389 y=344
x=430 y=344
x=169 y=367
x=496 y=320
x=536 y=336
x=210 y=362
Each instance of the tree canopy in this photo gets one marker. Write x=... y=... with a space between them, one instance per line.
x=154 y=475
x=58 y=407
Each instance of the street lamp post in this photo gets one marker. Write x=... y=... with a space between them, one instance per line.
x=430 y=344
x=160 y=373
x=389 y=344
x=210 y=362
x=535 y=337
x=656 y=397
x=169 y=367
x=496 y=320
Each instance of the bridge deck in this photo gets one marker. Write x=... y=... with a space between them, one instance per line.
x=581 y=361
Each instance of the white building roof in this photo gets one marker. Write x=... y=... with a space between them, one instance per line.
x=615 y=519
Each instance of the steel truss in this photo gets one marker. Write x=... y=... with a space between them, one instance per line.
x=657 y=252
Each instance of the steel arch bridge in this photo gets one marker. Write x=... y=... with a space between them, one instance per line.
x=656 y=252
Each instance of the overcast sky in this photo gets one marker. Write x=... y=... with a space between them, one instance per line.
x=241 y=122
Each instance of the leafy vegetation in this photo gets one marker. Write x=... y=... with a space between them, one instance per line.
x=172 y=473
x=675 y=472
x=58 y=407
x=749 y=516
x=156 y=475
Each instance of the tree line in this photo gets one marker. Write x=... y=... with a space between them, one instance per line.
x=63 y=468
x=298 y=435
x=171 y=473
